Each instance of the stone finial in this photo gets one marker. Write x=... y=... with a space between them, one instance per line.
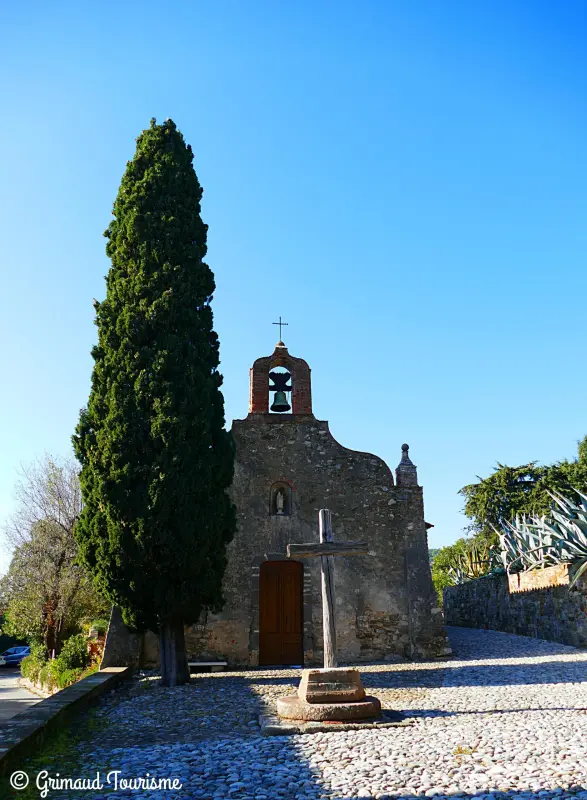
x=406 y=473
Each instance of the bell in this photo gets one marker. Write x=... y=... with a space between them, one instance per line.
x=280 y=403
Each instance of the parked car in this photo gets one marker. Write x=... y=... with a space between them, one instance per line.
x=14 y=655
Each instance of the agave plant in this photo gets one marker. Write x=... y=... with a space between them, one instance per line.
x=457 y=575
x=526 y=544
x=529 y=543
x=569 y=531
x=478 y=560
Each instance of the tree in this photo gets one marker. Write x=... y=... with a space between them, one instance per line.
x=444 y=560
x=505 y=493
x=508 y=492
x=46 y=594
x=512 y=491
x=156 y=459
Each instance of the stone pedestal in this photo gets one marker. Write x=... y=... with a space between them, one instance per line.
x=329 y=694
x=331 y=686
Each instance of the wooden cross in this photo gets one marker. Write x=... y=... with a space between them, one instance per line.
x=281 y=325
x=327 y=548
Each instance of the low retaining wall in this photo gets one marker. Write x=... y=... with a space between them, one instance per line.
x=36 y=688
x=24 y=733
x=537 y=603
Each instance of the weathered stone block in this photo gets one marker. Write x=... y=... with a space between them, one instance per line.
x=293 y=708
x=331 y=686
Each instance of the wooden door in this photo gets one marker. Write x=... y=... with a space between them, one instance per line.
x=280 y=613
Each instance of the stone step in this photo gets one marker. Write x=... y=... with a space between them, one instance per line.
x=338 y=685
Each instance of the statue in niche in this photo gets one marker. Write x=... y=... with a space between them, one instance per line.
x=280 y=500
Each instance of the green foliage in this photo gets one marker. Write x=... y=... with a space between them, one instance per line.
x=49 y=675
x=67 y=677
x=6 y=640
x=432 y=553
x=38 y=650
x=62 y=752
x=507 y=492
x=91 y=670
x=467 y=558
x=72 y=664
x=156 y=460
x=31 y=666
x=568 y=531
x=43 y=673
x=477 y=559
x=47 y=594
x=74 y=654
x=529 y=543
x=493 y=504
x=101 y=625
x=515 y=491
x=443 y=562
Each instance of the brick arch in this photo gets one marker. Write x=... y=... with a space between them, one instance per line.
x=300 y=374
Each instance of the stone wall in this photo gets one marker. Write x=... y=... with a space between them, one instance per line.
x=510 y=603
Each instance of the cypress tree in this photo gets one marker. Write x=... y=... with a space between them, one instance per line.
x=156 y=459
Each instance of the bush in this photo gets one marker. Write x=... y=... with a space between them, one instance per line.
x=74 y=654
x=31 y=666
x=72 y=664
x=91 y=670
x=43 y=674
x=101 y=625
x=49 y=675
x=68 y=676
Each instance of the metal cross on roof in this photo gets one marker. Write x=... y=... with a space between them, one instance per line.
x=281 y=324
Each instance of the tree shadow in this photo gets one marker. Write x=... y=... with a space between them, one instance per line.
x=448 y=675
x=481 y=675
x=467 y=642
x=206 y=734
x=166 y=733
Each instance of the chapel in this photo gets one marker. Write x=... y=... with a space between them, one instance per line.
x=288 y=466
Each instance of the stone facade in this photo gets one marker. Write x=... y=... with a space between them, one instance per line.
x=385 y=601
x=537 y=603
x=386 y=605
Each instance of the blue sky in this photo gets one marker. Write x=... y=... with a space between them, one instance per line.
x=404 y=182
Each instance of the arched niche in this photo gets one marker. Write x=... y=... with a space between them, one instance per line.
x=280 y=499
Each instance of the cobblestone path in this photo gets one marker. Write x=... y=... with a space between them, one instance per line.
x=506 y=718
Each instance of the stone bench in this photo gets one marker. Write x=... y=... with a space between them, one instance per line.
x=211 y=666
